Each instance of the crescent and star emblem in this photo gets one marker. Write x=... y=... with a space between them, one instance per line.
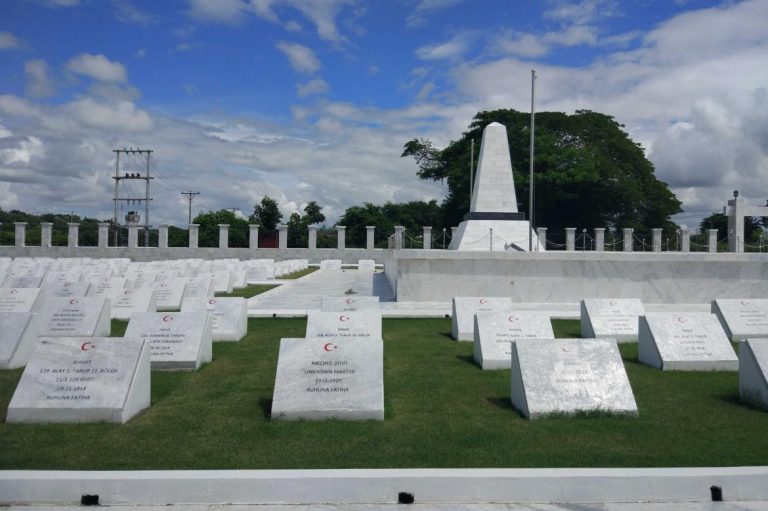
x=512 y=319
x=14 y=291
x=483 y=301
x=167 y=318
x=350 y=301
x=329 y=346
x=343 y=318
x=72 y=301
x=212 y=301
x=87 y=346
x=681 y=319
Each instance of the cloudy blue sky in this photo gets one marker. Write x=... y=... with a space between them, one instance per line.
x=313 y=99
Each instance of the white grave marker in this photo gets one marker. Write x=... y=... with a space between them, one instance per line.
x=569 y=376
x=349 y=303
x=330 y=264
x=128 y=301
x=179 y=340
x=23 y=299
x=229 y=315
x=753 y=372
x=614 y=318
x=168 y=294
x=465 y=308
x=329 y=379
x=74 y=317
x=199 y=286
x=66 y=289
x=365 y=324
x=104 y=286
x=366 y=265
x=742 y=319
x=94 y=379
x=691 y=341
x=18 y=336
x=496 y=331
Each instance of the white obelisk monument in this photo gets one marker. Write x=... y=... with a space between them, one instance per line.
x=493 y=222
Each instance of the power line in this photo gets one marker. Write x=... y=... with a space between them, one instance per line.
x=190 y=196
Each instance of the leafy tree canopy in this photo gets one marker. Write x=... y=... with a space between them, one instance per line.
x=267 y=214
x=411 y=215
x=298 y=224
x=208 y=232
x=752 y=226
x=588 y=172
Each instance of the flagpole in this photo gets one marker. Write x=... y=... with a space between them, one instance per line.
x=530 y=174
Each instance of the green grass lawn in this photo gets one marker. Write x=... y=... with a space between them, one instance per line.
x=441 y=411
x=299 y=274
x=248 y=291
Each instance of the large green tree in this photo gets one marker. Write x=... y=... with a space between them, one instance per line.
x=752 y=227
x=411 y=215
x=208 y=234
x=298 y=225
x=588 y=172
x=267 y=214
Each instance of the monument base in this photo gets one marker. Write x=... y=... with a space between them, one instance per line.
x=475 y=235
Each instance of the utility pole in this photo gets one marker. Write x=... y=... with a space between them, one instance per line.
x=190 y=196
x=120 y=175
x=530 y=174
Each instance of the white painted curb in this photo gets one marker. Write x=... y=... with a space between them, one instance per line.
x=383 y=486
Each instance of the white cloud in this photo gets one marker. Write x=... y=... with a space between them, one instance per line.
x=426 y=7
x=118 y=116
x=39 y=84
x=218 y=11
x=693 y=95
x=301 y=58
x=62 y=3
x=453 y=48
x=97 y=67
x=582 y=12
x=322 y=14
x=129 y=13
x=312 y=87
x=23 y=152
x=9 y=41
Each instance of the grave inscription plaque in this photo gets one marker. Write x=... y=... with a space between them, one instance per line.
x=691 y=341
x=327 y=378
x=569 y=376
x=76 y=379
x=496 y=331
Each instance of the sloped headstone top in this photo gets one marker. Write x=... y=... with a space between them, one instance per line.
x=363 y=324
x=74 y=317
x=614 y=318
x=569 y=376
x=349 y=303
x=329 y=379
x=496 y=331
x=178 y=340
x=21 y=299
x=693 y=341
x=128 y=301
x=742 y=319
x=465 y=308
x=79 y=379
x=18 y=336
x=753 y=372
x=229 y=315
